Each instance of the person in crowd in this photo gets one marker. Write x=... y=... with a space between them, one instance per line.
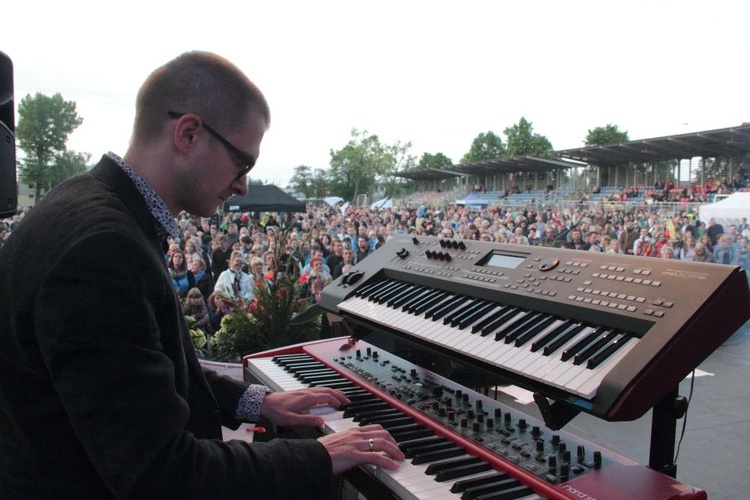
x=235 y=283
x=257 y=269
x=742 y=254
x=347 y=262
x=334 y=258
x=195 y=307
x=219 y=305
x=687 y=248
x=713 y=231
x=182 y=277
x=203 y=280
x=628 y=238
x=724 y=252
x=192 y=251
x=706 y=240
x=363 y=249
x=121 y=408
x=644 y=245
x=592 y=242
x=667 y=252
x=220 y=256
x=701 y=254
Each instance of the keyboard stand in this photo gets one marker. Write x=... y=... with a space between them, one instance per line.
x=664 y=431
x=555 y=414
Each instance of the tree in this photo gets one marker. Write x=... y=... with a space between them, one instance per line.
x=67 y=164
x=609 y=134
x=302 y=180
x=44 y=125
x=319 y=185
x=437 y=160
x=523 y=141
x=485 y=146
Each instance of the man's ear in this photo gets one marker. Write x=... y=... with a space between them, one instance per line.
x=187 y=130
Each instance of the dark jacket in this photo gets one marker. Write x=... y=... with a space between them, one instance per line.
x=101 y=394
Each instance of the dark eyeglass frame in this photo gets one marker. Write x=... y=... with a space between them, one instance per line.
x=247 y=161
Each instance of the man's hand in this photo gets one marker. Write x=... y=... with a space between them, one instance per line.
x=289 y=408
x=370 y=444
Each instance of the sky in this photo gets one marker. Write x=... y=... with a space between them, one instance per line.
x=433 y=73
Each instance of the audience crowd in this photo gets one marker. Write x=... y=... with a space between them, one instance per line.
x=219 y=262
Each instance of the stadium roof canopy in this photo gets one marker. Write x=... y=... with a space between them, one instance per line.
x=708 y=144
x=491 y=167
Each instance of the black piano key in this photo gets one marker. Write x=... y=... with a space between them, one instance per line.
x=562 y=340
x=512 y=333
x=351 y=409
x=581 y=344
x=490 y=319
x=436 y=467
x=534 y=330
x=514 y=322
x=418 y=293
x=607 y=351
x=439 y=444
x=376 y=413
x=384 y=297
x=499 y=321
x=594 y=347
x=435 y=456
x=508 y=493
x=468 y=316
x=552 y=334
x=331 y=384
x=462 y=485
x=441 y=309
x=489 y=488
x=391 y=285
x=403 y=294
x=476 y=315
x=401 y=436
x=389 y=423
x=462 y=471
x=411 y=447
x=453 y=317
x=363 y=291
x=427 y=302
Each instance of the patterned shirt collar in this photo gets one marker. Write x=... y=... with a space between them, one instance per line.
x=157 y=207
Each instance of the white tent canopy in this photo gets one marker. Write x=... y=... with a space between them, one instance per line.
x=332 y=200
x=727 y=211
x=384 y=203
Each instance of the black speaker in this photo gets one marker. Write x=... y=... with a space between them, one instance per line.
x=8 y=186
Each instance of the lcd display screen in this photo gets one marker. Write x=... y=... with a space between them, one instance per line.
x=505 y=261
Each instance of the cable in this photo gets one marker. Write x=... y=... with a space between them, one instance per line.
x=684 y=421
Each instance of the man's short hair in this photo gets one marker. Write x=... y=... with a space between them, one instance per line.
x=196 y=82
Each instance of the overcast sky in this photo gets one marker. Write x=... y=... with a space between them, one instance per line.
x=435 y=73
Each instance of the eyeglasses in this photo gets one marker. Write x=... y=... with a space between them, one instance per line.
x=248 y=162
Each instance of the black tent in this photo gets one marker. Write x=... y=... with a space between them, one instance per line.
x=264 y=199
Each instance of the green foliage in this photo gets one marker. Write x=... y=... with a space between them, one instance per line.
x=44 y=125
x=269 y=320
x=437 y=160
x=523 y=141
x=67 y=164
x=302 y=180
x=609 y=134
x=365 y=164
x=485 y=146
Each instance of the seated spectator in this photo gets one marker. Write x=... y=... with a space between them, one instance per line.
x=702 y=254
x=203 y=280
x=219 y=305
x=724 y=252
x=234 y=283
x=194 y=306
x=182 y=277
